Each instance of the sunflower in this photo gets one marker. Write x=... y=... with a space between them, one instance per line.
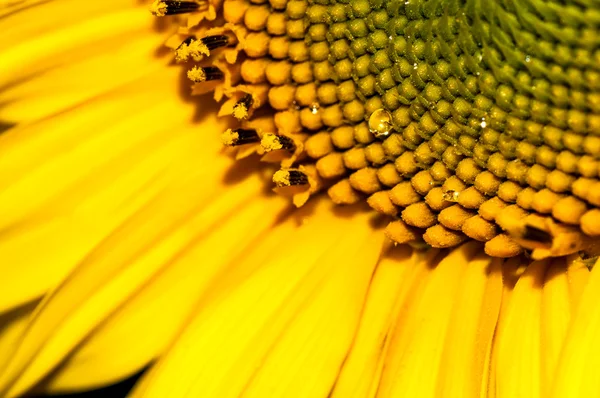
x=434 y=225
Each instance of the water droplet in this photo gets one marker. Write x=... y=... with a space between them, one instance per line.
x=451 y=196
x=483 y=123
x=380 y=123
x=314 y=108
x=415 y=65
x=407 y=2
x=527 y=58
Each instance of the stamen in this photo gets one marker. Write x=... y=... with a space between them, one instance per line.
x=239 y=137
x=199 y=48
x=290 y=177
x=160 y=8
x=241 y=108
x=203 y=74
x=193 y=48
x=272 y=142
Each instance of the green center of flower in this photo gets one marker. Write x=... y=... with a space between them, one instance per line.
x=460 y=119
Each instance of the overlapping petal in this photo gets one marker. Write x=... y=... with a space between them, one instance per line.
x=57 y=54
x=284 y=329
x=575 y=373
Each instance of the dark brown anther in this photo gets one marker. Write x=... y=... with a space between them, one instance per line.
x=216 y=41
x=179 y=7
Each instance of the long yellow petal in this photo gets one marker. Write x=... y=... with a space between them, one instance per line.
x=413 y=360
x=20 y=59
x=27 y=18
x=117 y=268
x=517 y=342
x=142 y=328
x=469 y=338
x=578 y=275
x=576 y=375
x=12 y=326
x=112 y=65
x=555 y=320
x=511 y=270
x=395 y=275
x=306 y=359
x=65 y=187
x=259 y=315
x=60 y=80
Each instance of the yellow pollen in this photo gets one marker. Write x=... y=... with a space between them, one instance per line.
x=195 y=50
x=196 y=74
x=158 y=8
x=281 y=178
x=240 y=111
x=270 y=142
x=229 y=137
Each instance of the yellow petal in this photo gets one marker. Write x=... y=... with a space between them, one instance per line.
x=282 y=330
x=576 y=375
x=59 y=79
x=555 y=320
x=148 y=321
x=12 y=326
x=469 y=339
x=517 y=342
x=511 y=270
x=395 y=275
x=18 y=15
x=67 y=181
x=578 y=275
x=413 y=361
x=306 y=359
x=112 y=65
x=39 y=162
x=134 y=254
x=62 y=237
x=38 y=52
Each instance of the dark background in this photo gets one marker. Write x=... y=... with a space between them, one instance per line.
x=116 y=390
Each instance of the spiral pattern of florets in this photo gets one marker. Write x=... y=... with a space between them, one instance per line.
x=459 y=119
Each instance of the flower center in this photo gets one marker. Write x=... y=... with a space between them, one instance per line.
x=459 y=119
